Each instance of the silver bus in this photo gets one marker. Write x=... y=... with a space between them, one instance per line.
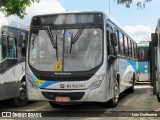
x=79 y=57
x=155 y=57
x=12 y=62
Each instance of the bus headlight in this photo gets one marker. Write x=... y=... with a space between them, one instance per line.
x=97 y=82
x=31 y=82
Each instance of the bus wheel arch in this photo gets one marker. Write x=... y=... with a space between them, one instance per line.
x=22 y=99
x=114 y=101
x=131 y=89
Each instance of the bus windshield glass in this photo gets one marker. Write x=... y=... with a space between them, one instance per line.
x=73 y=47
x=82 y=55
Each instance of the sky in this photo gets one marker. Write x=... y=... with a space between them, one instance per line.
x=138 y=22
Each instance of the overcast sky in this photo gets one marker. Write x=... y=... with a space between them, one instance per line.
x=140 y=23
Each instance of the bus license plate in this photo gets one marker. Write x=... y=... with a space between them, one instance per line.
x=62 y=99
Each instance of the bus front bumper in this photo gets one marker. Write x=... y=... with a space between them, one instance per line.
x=95 y=95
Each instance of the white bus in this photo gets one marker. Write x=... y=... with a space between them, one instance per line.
x=12 y=62
x=79 y=57
x=155 y=64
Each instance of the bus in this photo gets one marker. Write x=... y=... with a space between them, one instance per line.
x=77 y=57
x=13 y=36
x=155 y=57
x=143 y=61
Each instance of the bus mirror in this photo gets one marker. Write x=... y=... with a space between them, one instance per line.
x=36 y=21
x=154 y=39
x=113 y=39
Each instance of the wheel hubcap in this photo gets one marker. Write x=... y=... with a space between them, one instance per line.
x=22 y=92
x=116 y=89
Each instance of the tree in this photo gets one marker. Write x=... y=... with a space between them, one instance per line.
x=140 y=4
x=18 y=7
x=15 y=7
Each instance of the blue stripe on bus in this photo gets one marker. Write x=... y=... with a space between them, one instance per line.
x=43 y=83
x=48 y=83
x=134 y=64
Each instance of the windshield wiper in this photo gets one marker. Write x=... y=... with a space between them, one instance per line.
x=76 y=37
x=34 y=37
x=53 y=42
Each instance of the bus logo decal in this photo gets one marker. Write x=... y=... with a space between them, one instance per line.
x=62 y=86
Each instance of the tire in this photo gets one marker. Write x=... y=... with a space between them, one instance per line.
x=158 y=98
x=114 y=101
x=131 y=89
x=53 y=104
x=22 y=100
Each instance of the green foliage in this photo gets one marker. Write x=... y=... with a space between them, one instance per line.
x=126 y=2
x=18 y=7
x=140 y=4
x=15 y=7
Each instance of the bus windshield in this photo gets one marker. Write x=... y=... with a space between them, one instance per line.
x=77 y=48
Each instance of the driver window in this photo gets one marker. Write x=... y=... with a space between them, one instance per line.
x=110 y=50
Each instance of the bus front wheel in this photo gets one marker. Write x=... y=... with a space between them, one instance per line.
x=22 y=99
x=113 y=102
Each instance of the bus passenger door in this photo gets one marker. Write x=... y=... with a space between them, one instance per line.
x=111 y=62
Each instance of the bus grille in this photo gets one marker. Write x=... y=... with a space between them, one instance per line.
x=64 y=78
x=71 y=95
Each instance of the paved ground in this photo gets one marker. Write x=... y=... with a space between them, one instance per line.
x=138 y=105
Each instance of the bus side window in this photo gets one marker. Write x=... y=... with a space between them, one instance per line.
x=126 y=46
x=109 y=46
x=132 y=50
x=12 y=53
x=22 y=44
x=121 y=43
x=4 y=47
x=129 y=48
x=135 y=51
x=117 y=48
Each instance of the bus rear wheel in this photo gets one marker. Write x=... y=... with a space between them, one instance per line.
x=22 y=99
x=114 y=101
x=131 y=89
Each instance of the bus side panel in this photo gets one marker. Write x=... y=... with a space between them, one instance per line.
x=9 y=85
x=126 y=70
x=11 y=80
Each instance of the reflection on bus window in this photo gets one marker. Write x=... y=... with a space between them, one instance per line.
x=8 y=47
x=4 y=47
x=12 y=48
